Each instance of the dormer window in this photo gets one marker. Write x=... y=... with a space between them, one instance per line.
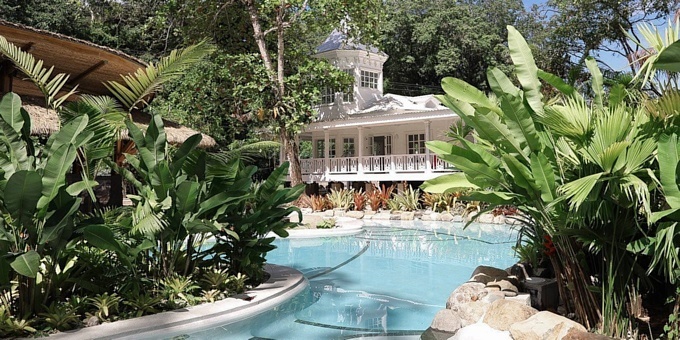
x=369 y=79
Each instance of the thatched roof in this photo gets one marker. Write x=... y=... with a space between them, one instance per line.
x=45 y=122
x=87 y=64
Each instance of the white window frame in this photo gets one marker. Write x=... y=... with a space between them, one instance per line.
x=327 y=96
x=369 y=79
x=331 y=148
x=348 y=147
x=319 y=151
x=415 y=143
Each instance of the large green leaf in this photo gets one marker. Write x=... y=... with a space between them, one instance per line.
x=596 y=82
x=10 y=111
x=27 y=264
x=187 y=196
x=493 y=197
x=544 y=176
x=559 y=84
x=669 y=158
x=526 y=70
x=102 y=237
x=189 y=145
x=500 y=83
x=521 y=174
x=54 y=174
x=162 y=180
x=579 y=190
x=22 y=193
x=519 y=121
x=669 y=58
x=447 y=183
x=70 y=133
x=467 y=93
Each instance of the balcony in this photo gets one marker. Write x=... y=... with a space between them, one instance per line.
x=374 y=168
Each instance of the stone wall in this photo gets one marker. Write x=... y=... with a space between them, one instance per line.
x=491 y=306
x=424 y=215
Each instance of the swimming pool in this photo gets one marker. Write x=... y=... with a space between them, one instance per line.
x=389 y=280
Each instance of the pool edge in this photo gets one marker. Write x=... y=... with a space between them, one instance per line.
x=284 y=283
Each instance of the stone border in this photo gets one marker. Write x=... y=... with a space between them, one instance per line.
x=284 y=283
x=345 y=226
x=423 y=215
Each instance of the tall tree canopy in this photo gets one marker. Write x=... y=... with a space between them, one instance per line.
x=431 y=39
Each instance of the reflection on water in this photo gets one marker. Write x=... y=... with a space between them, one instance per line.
x=389 y=280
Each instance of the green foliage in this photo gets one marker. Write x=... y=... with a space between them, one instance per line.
x=579 y=172
x=143 y=304
x=427 y=40
x=440 y=202
x=407 y=199
x=105 y=305
x=178 y=290
x=326 y=224
x=60 y=316
x=341 y=199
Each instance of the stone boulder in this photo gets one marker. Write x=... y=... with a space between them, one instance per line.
x=408 y=216
x=431 y=334
x=355 y=214
x=480 y=331
x=467 y=292
x=504 y=285
x=447 y=321
x=471 y=312
x=545 y=326
x=382 y=216
x=485 y=218
x=446 y=217
x=482 y=278
x=490 y=271
x=502 y=314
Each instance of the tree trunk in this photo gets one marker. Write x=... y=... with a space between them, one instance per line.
x=292 y=152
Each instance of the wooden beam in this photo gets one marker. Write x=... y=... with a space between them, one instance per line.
x=28 y=47
x=6 y=70
x=85 y=73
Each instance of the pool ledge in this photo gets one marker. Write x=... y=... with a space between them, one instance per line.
x=345 y=226
x=284 y=283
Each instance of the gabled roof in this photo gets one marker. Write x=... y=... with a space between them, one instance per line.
x=393 y=103
x=338 y=41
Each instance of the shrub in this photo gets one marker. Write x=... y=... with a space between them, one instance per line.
x=359 y=200
x=408 y=199
x=326 y=224
x=374 y=198
x=341 y=199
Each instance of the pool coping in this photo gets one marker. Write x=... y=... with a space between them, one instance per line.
x=345 y=227
x=284 y=283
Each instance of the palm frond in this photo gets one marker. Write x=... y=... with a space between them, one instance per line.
x=50 y=85
x=139 y=87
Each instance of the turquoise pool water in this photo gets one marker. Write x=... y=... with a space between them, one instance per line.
x=389 y=280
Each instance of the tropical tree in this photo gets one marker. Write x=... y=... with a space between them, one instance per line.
x=578 y=168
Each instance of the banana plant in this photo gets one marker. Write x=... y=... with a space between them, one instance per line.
x=38 y=206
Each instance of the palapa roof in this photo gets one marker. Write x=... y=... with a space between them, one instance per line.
x=89 y=66
x=45 y=122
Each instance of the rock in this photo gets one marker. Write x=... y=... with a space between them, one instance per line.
x=355 y=214
x=426 y=217
x=446 y=320
x=576 y=334
x=480 y=331
x=504 y=286
x=328 y=213
x=368 y=217
x=485 y=218
x=382 y=216
x=312 y=220
x=490 y=271
x=435 y=216
x=92 y=321
x=471 y=312
x=500 y=219
x=467 y=292
x=493 y=296
x=523 y=298
x=504 y=313
x=457 y=219
x=544 y=326
x=339 y=212
x=431 y=334
x=306 y=210
x=482 y=278
x=446 y=217
x=395 y=216
x=408 y=216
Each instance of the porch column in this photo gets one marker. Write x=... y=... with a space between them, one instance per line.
x=326 y=153
x=360 y=145
x=428 y=161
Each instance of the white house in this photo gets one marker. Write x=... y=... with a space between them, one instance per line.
x=362 y=135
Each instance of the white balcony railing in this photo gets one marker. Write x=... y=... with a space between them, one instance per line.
x=374 y=164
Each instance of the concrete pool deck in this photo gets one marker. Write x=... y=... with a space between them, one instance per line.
x=284 y=283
